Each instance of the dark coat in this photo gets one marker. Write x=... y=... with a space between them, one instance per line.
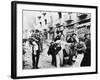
x=53 y=49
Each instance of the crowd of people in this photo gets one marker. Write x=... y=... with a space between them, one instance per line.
x=62 y=51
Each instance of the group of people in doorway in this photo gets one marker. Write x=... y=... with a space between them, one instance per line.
x=62 y=52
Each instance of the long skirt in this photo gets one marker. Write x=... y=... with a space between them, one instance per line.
x=87 y=58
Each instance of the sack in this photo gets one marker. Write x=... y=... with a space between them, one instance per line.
x=35 y=45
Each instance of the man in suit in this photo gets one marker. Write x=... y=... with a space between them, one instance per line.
x=35 y=48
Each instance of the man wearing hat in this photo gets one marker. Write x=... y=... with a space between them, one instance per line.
x=36 y=48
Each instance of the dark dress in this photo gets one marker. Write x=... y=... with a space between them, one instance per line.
x=87 y=56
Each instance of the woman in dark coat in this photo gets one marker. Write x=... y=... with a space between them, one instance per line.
x=87 y=56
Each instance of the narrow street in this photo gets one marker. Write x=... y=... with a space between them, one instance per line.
x=45 y=60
